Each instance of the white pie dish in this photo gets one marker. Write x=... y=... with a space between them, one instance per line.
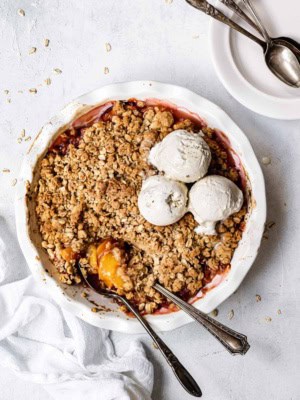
x=69 y=297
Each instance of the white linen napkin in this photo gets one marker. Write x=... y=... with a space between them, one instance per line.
x=44 y=344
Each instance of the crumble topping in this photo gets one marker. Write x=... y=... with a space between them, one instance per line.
x=87 y=191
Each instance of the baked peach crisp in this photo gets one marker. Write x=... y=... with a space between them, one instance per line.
x=87 y=205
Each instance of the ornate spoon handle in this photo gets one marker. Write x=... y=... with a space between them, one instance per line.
x=257 y=20
x=231 y=4
x=234 y=342
x=184 y=377
x=210 y=10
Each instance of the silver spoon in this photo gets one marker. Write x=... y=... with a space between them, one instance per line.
x=289 y=42
x=184 y=377
x=210 y=10
x=279 y=57
x=234 y=342
x=286 y=41
x=232 y=5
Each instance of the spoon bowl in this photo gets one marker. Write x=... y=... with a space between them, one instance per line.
x=289 y=42
x=283 y=62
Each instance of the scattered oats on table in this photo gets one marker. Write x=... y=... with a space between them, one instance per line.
x=47 y=81
x=215 y=313
x=108 y=47
x=6 y=170
x=279 y=312
x=32 y=50
x=57 y=71
x=27 y=139
x=6 y=91
x=270 y=224
x=14 y=182
x=266 y=160
x=106 y=70
x=33 y=90
x=21 y=12
x=268 y=319
x=257 y=297
x=230 y=314
x=46 y=42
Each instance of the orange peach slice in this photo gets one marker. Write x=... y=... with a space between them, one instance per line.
x=105 y=260
x=108 y=271
x=68 y=254
x=103 y=247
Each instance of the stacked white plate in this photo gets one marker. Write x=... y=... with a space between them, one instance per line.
x=240 y=65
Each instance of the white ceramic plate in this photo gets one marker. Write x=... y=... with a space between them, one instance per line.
x=70 y=297
x=240 y=64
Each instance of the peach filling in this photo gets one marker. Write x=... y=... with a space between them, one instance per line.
x=106 y=260
x=68 y=254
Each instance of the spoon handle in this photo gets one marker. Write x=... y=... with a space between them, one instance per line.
x=184 y=377
x=232 y=5
x=210 y=10
x=253 y=12
x=234 y=342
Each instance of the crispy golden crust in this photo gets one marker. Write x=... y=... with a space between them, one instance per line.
x=91 y=191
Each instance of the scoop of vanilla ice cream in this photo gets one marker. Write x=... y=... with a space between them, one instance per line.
x=162 y=201
x=213 y=199
x=182 y=155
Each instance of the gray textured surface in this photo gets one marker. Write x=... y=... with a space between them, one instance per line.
x=154 y=40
